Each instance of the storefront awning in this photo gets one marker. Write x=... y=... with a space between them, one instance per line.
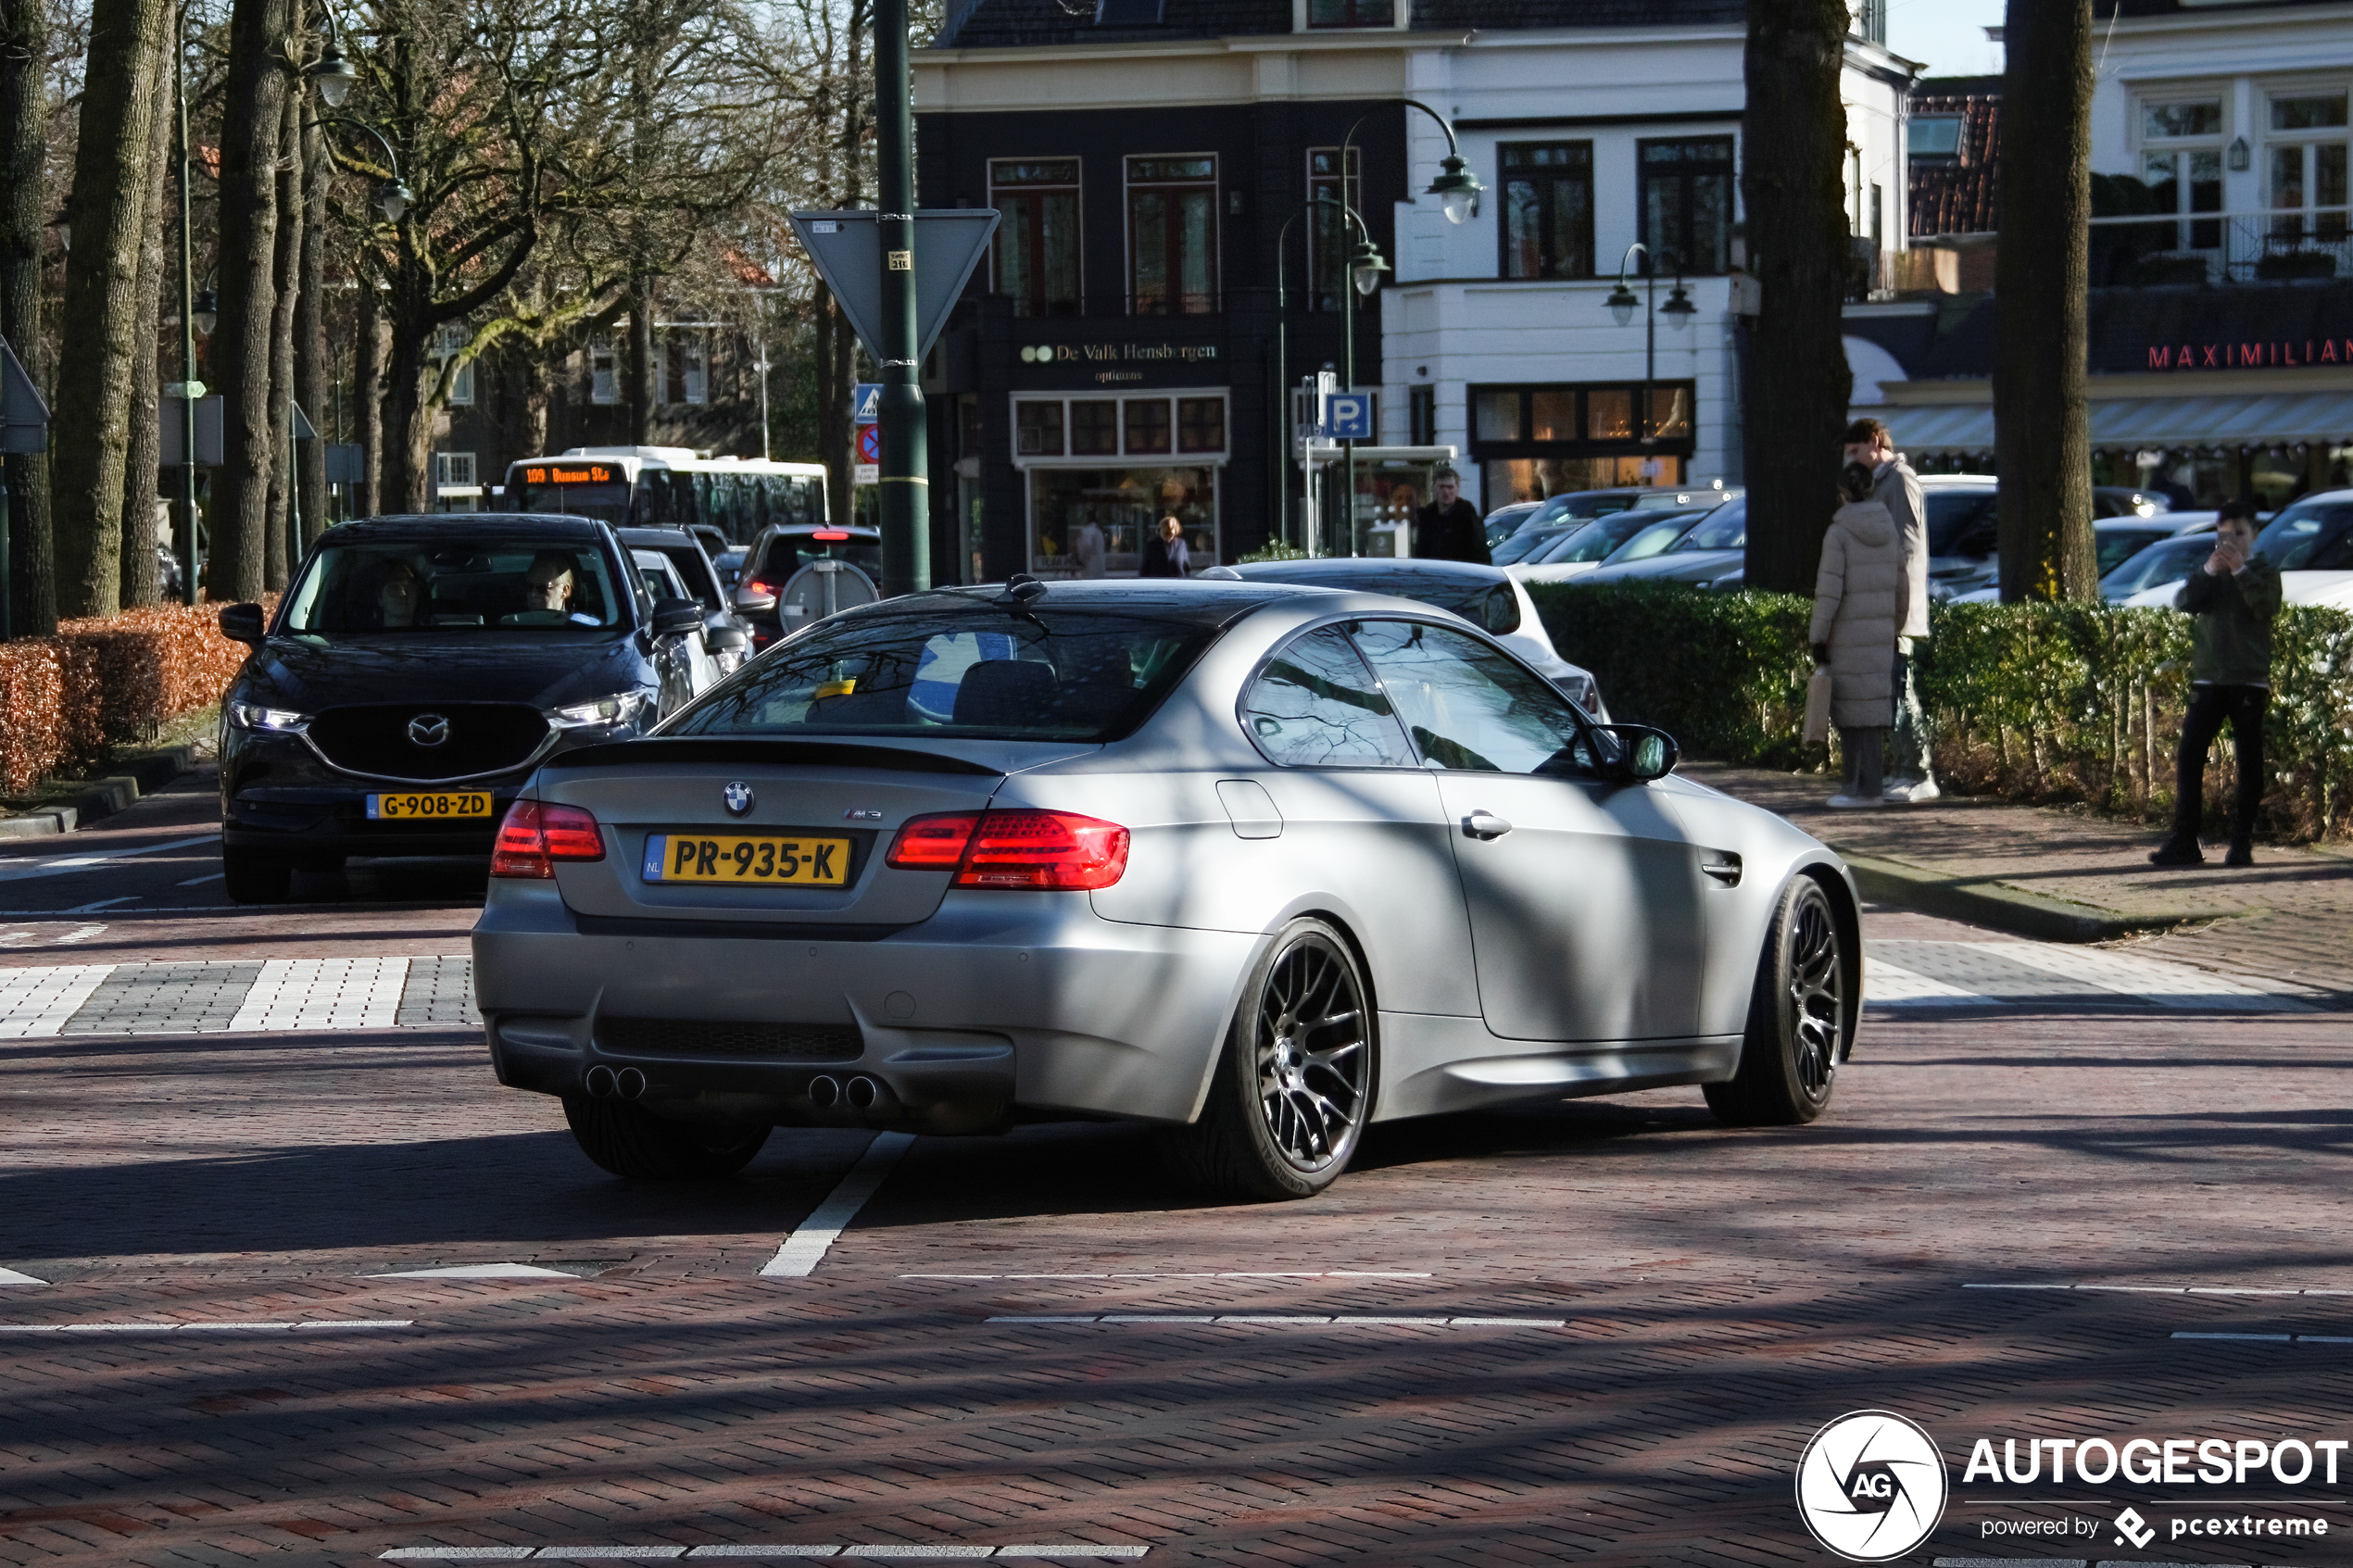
x=2155 y=423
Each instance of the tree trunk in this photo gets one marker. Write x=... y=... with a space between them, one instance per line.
x=641 y=358
x=24 y=121
x=253 y=106
x=100 y=323
x=541 y=365
x=2041 y=424
x=408 y=419
x=286 y=276
x=1794 y=137
x=368 y=374
x=142 y=487
x=312 y=373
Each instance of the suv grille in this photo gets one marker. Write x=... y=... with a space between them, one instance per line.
x=481 y=737
x=693 y=1036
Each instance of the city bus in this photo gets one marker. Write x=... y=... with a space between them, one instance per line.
x=669 y=487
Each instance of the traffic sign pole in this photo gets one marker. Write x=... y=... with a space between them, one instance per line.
x=906 y=484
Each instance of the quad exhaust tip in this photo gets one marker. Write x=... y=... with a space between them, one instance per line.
x=629 y=1083
x=862 y=1092
x=600 y=1081
x=825 y=1091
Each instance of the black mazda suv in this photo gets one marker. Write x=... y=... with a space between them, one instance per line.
x=416 y=673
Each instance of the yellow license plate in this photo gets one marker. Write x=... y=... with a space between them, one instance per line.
x=763 y=859
x=453 y=805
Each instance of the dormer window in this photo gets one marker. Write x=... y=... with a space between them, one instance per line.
x=1936 y=137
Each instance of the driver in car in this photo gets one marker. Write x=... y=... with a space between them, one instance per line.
x=548 y=588
x=400 y=595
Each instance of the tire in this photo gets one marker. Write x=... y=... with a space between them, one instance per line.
x=1796 y=1018
x=632 y=1142
x=254 y=879
x=1288 y=1104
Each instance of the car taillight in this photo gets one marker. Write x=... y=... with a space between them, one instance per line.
x=534 y=836
x=1059 y=851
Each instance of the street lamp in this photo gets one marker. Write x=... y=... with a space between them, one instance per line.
x=1366 y=268
x=392 y=196
x=1456 y=187
x=1679 y=311
x=334 y=75
x=208 y=310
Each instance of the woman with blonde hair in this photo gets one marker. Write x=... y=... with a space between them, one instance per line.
x=1858 y=598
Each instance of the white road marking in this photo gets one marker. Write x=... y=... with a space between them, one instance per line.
x=806 y=1248
x=1250 y=1319
x=2275 y=1339
x=359 y=1323
x=36 y=1003
x=478 y=1270
x=580 y=1553
x=10 y=1276
x=1899 y=971
x=463 y=1553
x=30 y=936
x=1889 y=983
x=200 y=881
x=2171 y=984
x=1325 y=1274
x=101 y=904
x=2184 y=1290
x=1072 y=1551
x=323 y=994
x=57 y=865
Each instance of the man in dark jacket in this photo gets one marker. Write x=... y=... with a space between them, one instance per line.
x=1450 y=528
x=2236 y=595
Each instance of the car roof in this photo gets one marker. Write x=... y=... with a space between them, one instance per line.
x=493 y=525
x=2154 y=520
x=856 y=531
x=1366 y=567
x=656 y=536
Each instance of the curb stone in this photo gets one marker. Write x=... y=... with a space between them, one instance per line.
x=1983 y=901
x=147 y=772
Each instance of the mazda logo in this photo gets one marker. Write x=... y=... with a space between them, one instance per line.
x=737 y=798
x=428 y=729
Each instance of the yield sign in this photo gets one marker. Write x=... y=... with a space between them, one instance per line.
x=847 y=248
x=24 y=418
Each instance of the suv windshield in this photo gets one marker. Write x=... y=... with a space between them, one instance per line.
x=1726 y=528
x=443 y=584
x=1951 y=515
x=2317 y=538
x=964 y=666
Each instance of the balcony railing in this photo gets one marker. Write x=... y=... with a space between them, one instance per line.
x=2223 y=248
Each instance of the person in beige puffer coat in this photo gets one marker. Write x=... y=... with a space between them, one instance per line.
x=1858 y=601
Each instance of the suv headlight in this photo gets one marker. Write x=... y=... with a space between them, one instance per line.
x=622 y=707
x=267 y=721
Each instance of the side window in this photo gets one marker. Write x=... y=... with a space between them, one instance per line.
x=1316 y=706
x=1468 y=705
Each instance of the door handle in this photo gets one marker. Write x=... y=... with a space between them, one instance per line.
x=1485 y=825
x=1724 y=866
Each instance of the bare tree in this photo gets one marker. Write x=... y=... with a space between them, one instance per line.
x=142 y=572
x=1794 y=138
x=252 y=113
x=313 y=369
x=121 y=99
x=2042 y=423
x=24 y=118
x=286 y=276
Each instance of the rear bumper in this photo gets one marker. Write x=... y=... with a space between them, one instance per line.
x=1000 y=1001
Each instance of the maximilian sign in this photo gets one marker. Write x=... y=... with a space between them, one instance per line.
x=2237 y=356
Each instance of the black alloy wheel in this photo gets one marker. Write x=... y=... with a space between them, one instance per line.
x=1797 y=1017
x=1293 y=1086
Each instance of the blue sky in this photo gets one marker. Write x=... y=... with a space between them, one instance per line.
x=1948 y=34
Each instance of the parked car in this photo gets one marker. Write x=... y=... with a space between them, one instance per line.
x=2121 y=501
x=1531 y=542
x=1962 y=538
x=1585 y=550
x=726 y=631
x=1505 y=520
x=1254 y=863
x=776 y=555
x=1712 y=554
x=2119 y=541
x=416 y=671
x=1702 y=497
x=1487 y=597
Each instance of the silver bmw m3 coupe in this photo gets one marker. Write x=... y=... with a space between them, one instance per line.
x=1260 y=864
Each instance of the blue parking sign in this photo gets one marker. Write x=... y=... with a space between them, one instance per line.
x=1348 y=416
x=865 y=403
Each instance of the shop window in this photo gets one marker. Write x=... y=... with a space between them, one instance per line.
x=1670 y=413
x=1552 y=414
x=1330 y=235
x=1094 y=427
x=1547 y=213
x=1035 y=250
x=1123 y=505
x=1172 y=235
x=1498 y=416
x=1609 y=416
x=1532 y=441
x=1038 y=428
x=1147 y=426
x=1200 y=424
x=1687 y=202
x=1352 y=12
x=604 y=373
x=2170 y=119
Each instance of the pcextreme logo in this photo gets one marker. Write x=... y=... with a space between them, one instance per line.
x=1870 y=1485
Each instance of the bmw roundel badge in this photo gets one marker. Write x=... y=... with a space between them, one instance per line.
x=738 y=796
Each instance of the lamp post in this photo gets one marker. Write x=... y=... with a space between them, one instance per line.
x=1457 y=190
x=1678 y=310
x=1366 y=269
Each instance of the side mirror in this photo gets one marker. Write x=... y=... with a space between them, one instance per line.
x=675 y=616
x=244 y=623
x=724 y=638
x=756 y=599
x=1643 y=753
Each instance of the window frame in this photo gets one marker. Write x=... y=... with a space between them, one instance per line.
x=1258 y=673
x=1350 y=184
x=604 y=382
x=1686 y=174
x=1078 y=189
x=2311 y=222
x=1129 y=187
x=1544 y=224
x=1175 y=456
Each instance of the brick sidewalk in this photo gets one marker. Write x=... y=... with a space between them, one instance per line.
x=2287 y=917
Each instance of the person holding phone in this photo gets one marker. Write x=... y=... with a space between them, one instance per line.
x=2236 y=595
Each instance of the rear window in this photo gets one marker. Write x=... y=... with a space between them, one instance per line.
x=2117 y=545
x=2310 y=539
x=2168 y=560
x=1726 y=528
x=787 y=553
x=975 y=668
x=1481 y=600
x=1951 y=515
x=1593 y=540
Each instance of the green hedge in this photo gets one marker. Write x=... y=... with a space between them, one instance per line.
x=2041 y=702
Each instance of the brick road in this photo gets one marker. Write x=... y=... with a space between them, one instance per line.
x=1717 y=1294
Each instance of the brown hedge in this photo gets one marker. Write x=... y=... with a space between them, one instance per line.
x=104 y=681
